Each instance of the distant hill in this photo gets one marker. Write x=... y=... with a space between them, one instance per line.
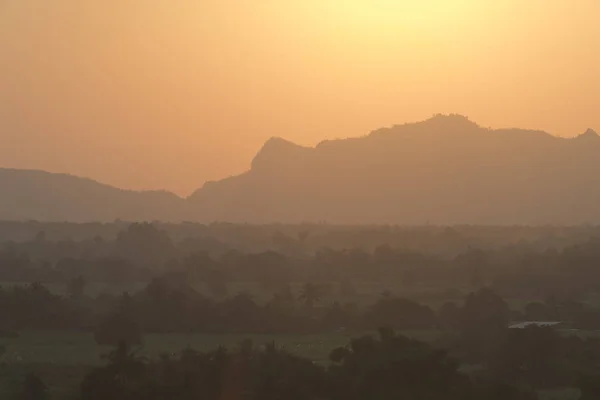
x=446 y=170
x=42 y=196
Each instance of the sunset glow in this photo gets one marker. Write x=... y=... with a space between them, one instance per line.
x=403 y=15
x=177 y=93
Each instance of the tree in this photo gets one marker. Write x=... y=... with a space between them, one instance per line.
x=170 y=304
x=216 y=281
x=474 y=264
x=449 y=316
x=341 y=316
x=536 y=311
x=485 y=310
x=278 y=375
x=269 y=269
x=399 y=313
x=484 y=322
x=532 y=355
x=124 y=378
x=241 y=313
x=197 y=265
x=283 y=301
x=146 y=244
x=76 y=288
x=309 y=294
x=395 y=367
x=120 y=327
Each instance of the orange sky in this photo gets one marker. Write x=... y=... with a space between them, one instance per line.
x=169 y=93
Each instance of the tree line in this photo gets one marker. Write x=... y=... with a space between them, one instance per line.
x=169 y=305
x=383 y=366
x=141 y=252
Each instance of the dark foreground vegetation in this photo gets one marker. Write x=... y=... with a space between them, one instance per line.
x=382 y=366
x=387 y=367
x=450 y=293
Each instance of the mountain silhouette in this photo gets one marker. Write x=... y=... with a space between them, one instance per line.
x=43 y=196
x=445 y=170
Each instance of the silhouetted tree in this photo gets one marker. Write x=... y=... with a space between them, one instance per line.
x=395 y=367
x=309 y=294
x=474 y=263
x=283 y=300
x=146 y=244
x=537 y=311
x=216 y=282
x=399 y=313
x=485 y=319
x=120 y=328
x=449 y=316
x=531 y=355
x=124 y=378
x=76 y=288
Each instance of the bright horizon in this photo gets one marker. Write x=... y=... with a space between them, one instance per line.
x=167 y=95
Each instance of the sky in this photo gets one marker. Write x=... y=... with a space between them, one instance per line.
x=167 y=94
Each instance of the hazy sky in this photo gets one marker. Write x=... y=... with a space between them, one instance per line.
x=170 y=93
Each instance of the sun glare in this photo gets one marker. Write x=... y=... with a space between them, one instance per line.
x=433 y=16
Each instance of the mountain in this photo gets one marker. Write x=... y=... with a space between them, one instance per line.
x=445 y=170
x=37 y=195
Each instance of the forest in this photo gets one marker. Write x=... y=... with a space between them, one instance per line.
x=182 y=311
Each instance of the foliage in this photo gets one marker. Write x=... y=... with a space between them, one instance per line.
x=395 y=367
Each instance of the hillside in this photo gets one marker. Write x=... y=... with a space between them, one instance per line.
x=445 y=170
x=37 y=195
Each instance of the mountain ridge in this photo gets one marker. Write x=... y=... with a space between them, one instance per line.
x=399 y=174
x=444 y=170
x=30 y=194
